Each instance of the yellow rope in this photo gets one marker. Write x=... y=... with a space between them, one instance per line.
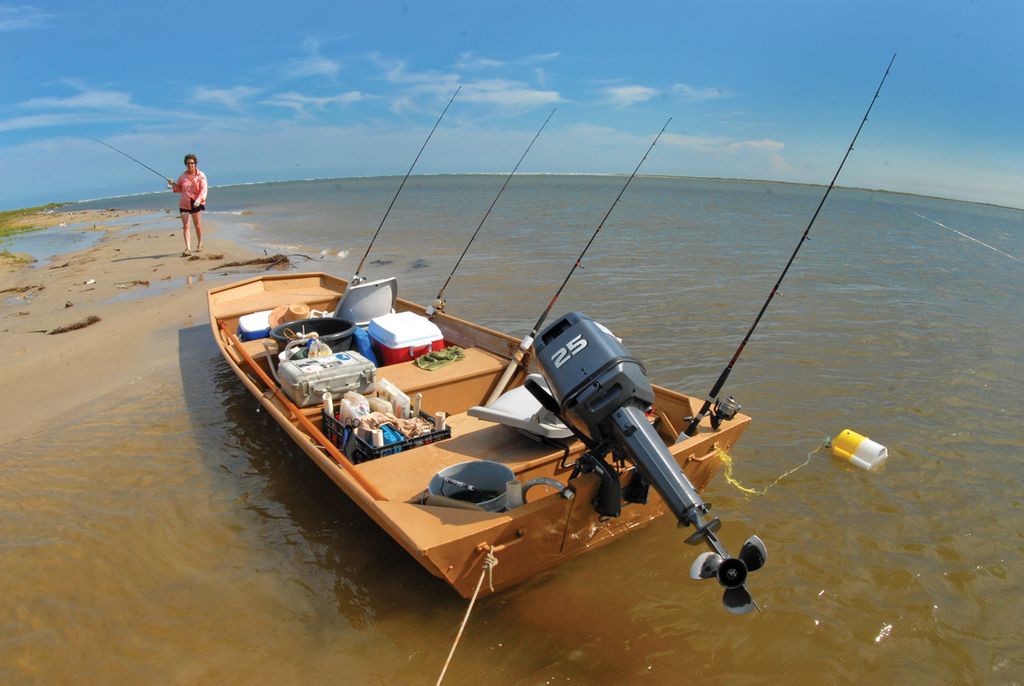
x=490 y=562
x=727 y=463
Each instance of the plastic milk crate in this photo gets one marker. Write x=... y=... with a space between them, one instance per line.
x=359 y=450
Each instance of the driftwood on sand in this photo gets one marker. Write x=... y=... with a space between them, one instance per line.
x=81 y=324
x=269 y=260
x=22 y=289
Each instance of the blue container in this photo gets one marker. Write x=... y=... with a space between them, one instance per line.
x=363 y=345
x=254 y=326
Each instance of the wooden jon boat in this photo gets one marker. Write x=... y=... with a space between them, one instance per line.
x=452 y=543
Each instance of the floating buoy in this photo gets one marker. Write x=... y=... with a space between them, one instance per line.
x=858 y=450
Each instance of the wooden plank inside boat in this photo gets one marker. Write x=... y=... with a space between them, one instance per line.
x=404 y=476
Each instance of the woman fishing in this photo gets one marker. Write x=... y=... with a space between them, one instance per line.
x=192 y=186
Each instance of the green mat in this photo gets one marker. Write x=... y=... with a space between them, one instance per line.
x=440 y=358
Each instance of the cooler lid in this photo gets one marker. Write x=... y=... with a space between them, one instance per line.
x=403 y=329
x=257 y=321
x=362 y=302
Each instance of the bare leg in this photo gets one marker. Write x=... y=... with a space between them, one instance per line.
x=198 y=221
x=184 y=229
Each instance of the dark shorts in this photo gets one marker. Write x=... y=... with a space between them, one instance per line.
x=195 y=208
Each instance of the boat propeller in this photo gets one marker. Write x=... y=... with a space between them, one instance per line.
x=731 y=572
x=602 y=394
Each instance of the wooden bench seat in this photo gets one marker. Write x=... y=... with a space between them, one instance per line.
x=257 y=297
x=453 y=388
x=405 y=475
x=412 y=379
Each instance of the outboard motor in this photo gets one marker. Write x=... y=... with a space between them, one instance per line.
x=602 y=393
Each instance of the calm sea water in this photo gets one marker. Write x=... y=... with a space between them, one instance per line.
x=202 y=547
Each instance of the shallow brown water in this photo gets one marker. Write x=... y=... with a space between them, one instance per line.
x=177 y=536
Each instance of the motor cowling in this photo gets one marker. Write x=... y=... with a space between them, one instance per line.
x=590 y=373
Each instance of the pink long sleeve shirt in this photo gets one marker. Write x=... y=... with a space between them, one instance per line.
x=192 y=187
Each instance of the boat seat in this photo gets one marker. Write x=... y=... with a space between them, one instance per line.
x=518 y=409
x=362 y=302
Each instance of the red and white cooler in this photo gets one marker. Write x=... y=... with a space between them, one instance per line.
x=404 y=336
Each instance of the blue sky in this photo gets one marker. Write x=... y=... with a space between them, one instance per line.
x=275 y=91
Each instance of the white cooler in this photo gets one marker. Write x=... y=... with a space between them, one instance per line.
x=404 y=336
x=254 y=326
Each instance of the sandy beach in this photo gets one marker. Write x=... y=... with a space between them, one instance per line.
x=133 y=285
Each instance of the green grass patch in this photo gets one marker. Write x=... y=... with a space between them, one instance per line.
x=7 y=257
x=17 y=221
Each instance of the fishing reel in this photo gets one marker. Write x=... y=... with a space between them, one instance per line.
x=723 y=411
x=436 y=306
x=602 y=394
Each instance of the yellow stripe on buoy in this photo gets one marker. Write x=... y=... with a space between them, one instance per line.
x=858 y=450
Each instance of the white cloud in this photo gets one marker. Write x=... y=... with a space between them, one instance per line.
x=85 y=99
x=395 y=71
x=310 y=64
x=38 y=121
x=764 y=144
x=22 y=18
x=302 y=103
x=626 y=96
x=425 y=84
x=87 y=106
x=313 y=65
x=694 y=94
x=470 y=61
x=434 y=84
x=350 y=97
x=401 y=103
x=508 y=93
x=231 y=98
x=311 y=45
x=542 y=57
x=721 y=143
x=782 y=167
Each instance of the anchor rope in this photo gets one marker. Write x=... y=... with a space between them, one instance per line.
x=727 y=464
x=490 y=562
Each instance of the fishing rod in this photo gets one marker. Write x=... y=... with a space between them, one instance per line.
x=527 y=342
x=358 y=278
x=956 y=231
x=727 y=409
x=131 y=158
x=438 y=304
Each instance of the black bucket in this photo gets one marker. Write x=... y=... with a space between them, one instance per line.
x=337 y=333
